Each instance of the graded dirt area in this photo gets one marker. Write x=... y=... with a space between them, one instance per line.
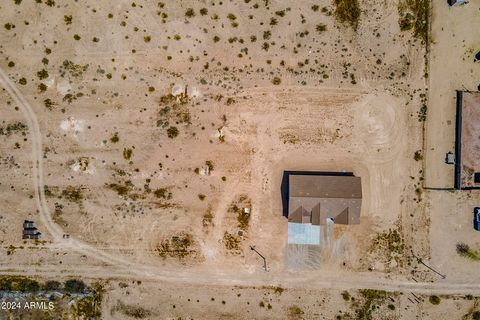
x=136 y=133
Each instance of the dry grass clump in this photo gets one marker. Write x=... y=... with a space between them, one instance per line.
x=237 y=207
x=231 y=241
x=415 y=14
x=178 y=246
x=135 y=312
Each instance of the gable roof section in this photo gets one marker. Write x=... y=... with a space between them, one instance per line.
x=316 y=186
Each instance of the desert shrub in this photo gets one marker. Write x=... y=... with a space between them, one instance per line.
x=204 y=11
x=422 y=114
x=435 y=300
x=347 y=11
x=114 y=138
x=321 y=27
x=464 y=250
x=295 y=312
x=90 y=307
x=22 y=81
x=162 y=193
x=127 y=153
x=476 y=315
x=121 y=190
x=201 y=196
x=190 y=13
x=276 y=81
x=134 y=311
x=73 y=194
x=67 y=19
x=76 y=37
x=346 y=295
x=406 y=22
x=42 y=74
x=418 y=155
x=42 y=87
x=172 y=132
x=207 y=219
x=15 y=127
x=178 y=246
x=74 y=286
x=231 y=241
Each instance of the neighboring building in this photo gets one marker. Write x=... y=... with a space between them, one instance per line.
x=312 y=199
x=454 y=2
x=30 y=231
x=467 y=143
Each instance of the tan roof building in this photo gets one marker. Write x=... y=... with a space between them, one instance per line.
x=314 y=198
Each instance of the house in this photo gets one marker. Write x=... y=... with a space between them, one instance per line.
x=30 y=231
x=314 y=198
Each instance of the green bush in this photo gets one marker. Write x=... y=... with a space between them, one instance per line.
x=74 y=286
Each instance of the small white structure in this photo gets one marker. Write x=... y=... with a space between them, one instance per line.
x=450 y=158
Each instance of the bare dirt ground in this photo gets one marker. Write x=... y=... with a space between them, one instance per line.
x=158 y=121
